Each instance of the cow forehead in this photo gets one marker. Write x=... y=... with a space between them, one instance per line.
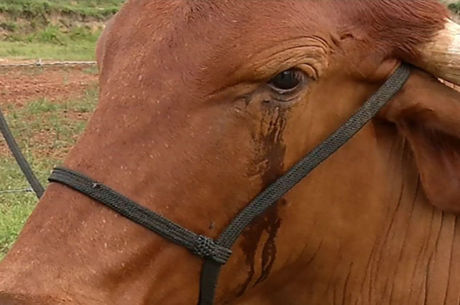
x=220 y=38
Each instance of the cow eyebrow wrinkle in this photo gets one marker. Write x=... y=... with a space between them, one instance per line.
x=306 y=51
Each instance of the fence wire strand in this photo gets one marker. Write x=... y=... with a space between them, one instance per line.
x=40 y=63
x=15 y=191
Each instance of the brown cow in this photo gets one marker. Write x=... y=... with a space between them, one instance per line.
x=204 y=103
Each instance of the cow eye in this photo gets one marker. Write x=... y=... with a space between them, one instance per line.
x=287 y=81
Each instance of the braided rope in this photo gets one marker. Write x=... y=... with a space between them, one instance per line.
x=198 y=244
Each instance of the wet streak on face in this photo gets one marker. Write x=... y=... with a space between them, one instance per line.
x=269 y=166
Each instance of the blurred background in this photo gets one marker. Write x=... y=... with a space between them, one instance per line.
x=46 y=96
x=48 y=89
x=52 y=29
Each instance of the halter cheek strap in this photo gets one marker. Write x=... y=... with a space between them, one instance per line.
x=199 y=245
x=216 y=252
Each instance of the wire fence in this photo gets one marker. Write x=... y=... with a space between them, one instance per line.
x=16 y=191
x=40 y=63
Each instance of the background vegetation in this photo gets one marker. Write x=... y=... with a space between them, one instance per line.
x=53 y=29
x=98 y=9
x=45 y=130
x=45 y=127
x=455 y=7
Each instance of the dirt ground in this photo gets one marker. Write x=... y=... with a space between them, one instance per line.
x=18 y=85
x=22 y=85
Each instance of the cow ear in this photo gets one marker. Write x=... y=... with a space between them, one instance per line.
x=427 y=114
x=101 y=46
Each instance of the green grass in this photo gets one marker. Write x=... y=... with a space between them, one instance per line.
x=14 y=207
x=53 y=29
x=46 y=46
x=53 y=120
x=51 y=43
x=35 y=50
x=455 y=7
x=98 y=9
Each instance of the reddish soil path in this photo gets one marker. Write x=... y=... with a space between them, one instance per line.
x=22 y=84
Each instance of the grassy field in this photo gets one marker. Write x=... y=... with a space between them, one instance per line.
x=51 y=43
x=99 y=9
x=46 y=29
x=45 y=131
x=53 y=29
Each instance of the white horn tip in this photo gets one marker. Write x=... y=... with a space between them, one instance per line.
x=441 y=57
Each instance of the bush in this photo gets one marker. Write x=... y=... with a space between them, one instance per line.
x=455 y=7
x=50 y=34
x=98 y=9
x=9 y=26
x=83 y=33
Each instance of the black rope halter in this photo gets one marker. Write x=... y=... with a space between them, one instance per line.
x=216 y=252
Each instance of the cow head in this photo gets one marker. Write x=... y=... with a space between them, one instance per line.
x=204 y=103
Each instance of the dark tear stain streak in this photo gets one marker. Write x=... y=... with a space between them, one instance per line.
x=269 y=164
x=269 y=250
